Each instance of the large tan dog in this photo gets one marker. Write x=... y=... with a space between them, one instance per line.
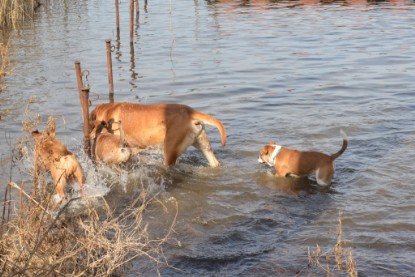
x=108 y=147
x=297 y=163
x=173 y=126
x=58 y=160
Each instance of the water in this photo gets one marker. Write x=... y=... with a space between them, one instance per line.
x=294 y=72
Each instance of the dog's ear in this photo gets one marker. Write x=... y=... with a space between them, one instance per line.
x=51 y=133
x=36 y=134
x=51 y=128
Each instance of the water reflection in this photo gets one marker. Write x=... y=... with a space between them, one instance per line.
x=270 y=4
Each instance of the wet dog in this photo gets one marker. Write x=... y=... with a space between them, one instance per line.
x=289 y=162
x=108 y=147
x=55 y=157
x=173 y=126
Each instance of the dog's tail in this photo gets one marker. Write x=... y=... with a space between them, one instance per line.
x=208 y=119
x=344 y=146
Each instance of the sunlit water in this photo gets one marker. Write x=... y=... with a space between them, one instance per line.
x=291 y=72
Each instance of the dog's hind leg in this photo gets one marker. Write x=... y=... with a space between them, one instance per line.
x=174 y=146
x=202 y=143
x=324 y=175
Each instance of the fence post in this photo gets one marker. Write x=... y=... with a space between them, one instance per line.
x=131 y=21
x=117 y=17
x=83 y=89
x=110 y=75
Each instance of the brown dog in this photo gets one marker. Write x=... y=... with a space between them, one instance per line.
x=296 y=163
x=108 y=147
x=58 y=160
x=174 y=126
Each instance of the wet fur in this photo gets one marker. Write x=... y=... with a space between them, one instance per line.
x=108 y=147
x=290 y=162
x=58 y=160
x=173 y=126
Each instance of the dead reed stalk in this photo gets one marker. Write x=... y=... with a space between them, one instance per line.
x=343 y=259
x=6 y=67
x=13 y=12
x=99 y=243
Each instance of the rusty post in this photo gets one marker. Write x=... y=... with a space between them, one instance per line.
x=110 y=75
x=117 y=16
x=131 y=21
x=137 y=8
x=83 y=90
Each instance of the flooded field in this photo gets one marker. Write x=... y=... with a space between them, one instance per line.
x=295 y=72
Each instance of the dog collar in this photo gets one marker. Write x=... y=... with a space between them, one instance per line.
x=275 y=153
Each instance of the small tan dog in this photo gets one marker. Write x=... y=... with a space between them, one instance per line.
x=58 y=160
x=107 y=146
x=174 y=126
x=288 y=162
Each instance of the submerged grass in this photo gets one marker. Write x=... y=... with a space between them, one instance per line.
x=12 y=14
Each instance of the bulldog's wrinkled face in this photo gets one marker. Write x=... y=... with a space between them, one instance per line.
x=265 y=154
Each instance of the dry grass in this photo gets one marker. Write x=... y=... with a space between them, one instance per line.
x=38 y=243
x=36 y=240
x=13 y=12
x=338 y=261
x=6 y=67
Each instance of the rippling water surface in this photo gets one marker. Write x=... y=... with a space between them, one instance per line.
x=294 y=72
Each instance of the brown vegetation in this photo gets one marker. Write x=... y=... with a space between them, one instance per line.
x=5 y=64
x=338 y=261
x=36 y=240
x=38 y=243
x=13 y=12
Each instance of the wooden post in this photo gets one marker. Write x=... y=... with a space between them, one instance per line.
x=84 y=100
x=110 y=75
x=131 y=21
x=117 y=17
x=137 y=8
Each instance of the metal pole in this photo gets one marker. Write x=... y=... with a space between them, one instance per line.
x=84 y=100
x=110 y=75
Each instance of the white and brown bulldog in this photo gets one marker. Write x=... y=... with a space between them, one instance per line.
x=289 y=162
x=108 y=147
x=173 y=126
x=58 y=160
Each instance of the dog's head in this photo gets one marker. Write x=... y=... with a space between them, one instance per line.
x=268 y=153
x=41 y=138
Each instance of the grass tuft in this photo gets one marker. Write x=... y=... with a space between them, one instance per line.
x=337 y=261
